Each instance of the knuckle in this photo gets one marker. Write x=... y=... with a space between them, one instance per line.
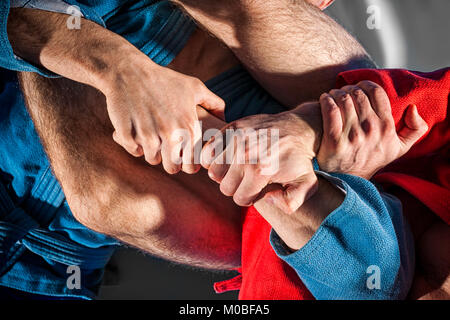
x=347 y=101
x=241 y=200
x=343 y=99
x=359 y=95
x=351 y=89
x=327 y=101
x=365 y=83
x=190 y=169
x=348 y=88
x=336 y=92
x=388 y=127
x=257 y=170
x=333 y=140
x=153 y=159
x=375 y=90
x=325 y=97
x=172 y=169
x=125 y=137
x=213 y=174
x=226 y=189
x=146 y=133
x=153 y=144
x=197 y=84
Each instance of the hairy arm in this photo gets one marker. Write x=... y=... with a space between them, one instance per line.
x=293 y=49
x=146 y=102
x=317 y=225
x=121 y=196
x=88 y=55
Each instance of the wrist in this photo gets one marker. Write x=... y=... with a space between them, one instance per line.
x=126 y=68
x=309 y=113
x=105 y=70
x=308 y=219
x=91 y=55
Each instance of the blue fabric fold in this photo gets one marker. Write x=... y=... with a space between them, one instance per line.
x=366 y=232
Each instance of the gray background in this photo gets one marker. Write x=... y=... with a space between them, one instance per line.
x=414 y=34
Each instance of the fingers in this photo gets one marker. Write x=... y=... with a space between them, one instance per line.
x=351 y=126
x=150 y=142
x=361 y=102
x=211 y=102
x=171 y=155
x=346 y=106
x=177 y=149
x=217 y=171
x=415 y=128
x=191 y=150
x=212 y=150
x=379 y=99
x=125 y=139
x=244 y=185
x=232 y=179
x=152 y=150
x=148 y=122
x=331 y=117
x=124 y=129
x=250 y=187
x=292 y=196
x=138 y=137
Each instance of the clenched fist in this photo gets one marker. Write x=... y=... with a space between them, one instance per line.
x=359 y=134
x=152 y=108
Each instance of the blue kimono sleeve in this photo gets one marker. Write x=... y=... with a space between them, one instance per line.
x=363 y=250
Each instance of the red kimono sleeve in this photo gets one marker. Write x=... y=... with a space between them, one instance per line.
x=424 y=172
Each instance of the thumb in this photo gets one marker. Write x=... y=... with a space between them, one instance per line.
x=212 y=103
x=292 y=196
x=415 y=128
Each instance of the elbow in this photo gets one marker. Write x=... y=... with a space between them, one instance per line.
x=90 y=212
x=118 y=211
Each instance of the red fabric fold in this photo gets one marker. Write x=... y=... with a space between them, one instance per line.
x=424 y=172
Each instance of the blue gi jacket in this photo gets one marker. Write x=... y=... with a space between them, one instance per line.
x=39 y=237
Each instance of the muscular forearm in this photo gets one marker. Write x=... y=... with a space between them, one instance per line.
x=91 y=54
x=116 y=194
x=294 y=50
